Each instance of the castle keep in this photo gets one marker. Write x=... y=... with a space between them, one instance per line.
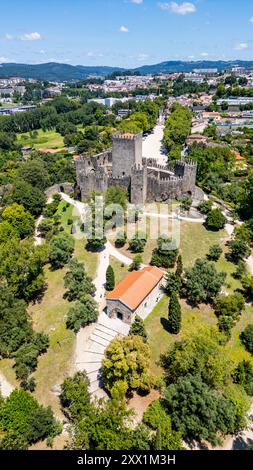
x=144 y=179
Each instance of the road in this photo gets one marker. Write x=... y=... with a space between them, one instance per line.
x=153 y=145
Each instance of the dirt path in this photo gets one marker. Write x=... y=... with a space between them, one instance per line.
x=5 y=387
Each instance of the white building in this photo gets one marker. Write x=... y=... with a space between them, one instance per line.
x=136 y=295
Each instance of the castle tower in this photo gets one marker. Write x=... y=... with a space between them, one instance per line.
x=187 y=170
x=126 y=153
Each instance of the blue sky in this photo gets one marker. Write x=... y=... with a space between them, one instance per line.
x=126 y=33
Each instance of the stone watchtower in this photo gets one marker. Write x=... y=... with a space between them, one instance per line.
x=126 y=153
x=187 y=170
x=127 y=162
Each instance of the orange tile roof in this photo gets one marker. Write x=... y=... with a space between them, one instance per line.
x=237 y=155
x=136 y=286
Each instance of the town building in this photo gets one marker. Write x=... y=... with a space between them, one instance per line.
x=136 y=295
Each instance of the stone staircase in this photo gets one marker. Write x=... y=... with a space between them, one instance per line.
x=105 y=331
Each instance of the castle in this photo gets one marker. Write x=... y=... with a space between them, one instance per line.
x=144 y=179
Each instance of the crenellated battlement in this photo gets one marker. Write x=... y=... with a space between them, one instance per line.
x=124 y=166
x=126 y=136
x=186 y=162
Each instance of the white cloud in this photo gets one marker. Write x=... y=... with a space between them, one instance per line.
x=4 y=59
x=241 y=46
x=251 y=19
x=8 y=37
x=191 y=56
x=42 y=51
x=123 y=29
x=138 y=2
x=142 y=57
x=204 y=54
x=180 y=9
x=31 y=37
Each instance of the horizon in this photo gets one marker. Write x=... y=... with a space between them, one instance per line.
x=131 y=68
x=125 y=33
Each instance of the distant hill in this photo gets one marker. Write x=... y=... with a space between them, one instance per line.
x=180 y=66
x=64 y=72
x=53 y=71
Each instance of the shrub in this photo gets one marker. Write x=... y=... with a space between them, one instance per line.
x=246 y=338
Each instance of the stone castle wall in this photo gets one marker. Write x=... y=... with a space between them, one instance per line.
x=144 y=180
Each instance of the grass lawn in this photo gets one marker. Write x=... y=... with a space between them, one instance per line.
x=49 y=316
x=47 y=139
x=236 y=351
x=120 y=271
x=195 y=242
x=89 y=259
x=6 y=367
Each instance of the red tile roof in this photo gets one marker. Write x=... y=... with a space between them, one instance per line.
x=136 y=286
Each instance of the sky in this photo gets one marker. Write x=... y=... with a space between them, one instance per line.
x=125 y=33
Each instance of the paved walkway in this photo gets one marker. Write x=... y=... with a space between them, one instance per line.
x=175 y=216
x=92 y=347
x=153 y=146
x=5 y=387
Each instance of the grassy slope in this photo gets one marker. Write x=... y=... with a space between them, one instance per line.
x=120 y=271
x=49 y=316
x=47 y=139
x=195 y=243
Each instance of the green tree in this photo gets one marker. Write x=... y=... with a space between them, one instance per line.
x=186 y=203
x=215 y=220
x=243 y=375
x=7 y=231
x=23 y=421
x=180 y=268
x=110 y=278
x=200 y=353
x=215 y=253
x=15 y=325
x=173 y=283
x=20 y=219
x=137 y=244
x=35 y=173
x=202 y=283
x=116 y=195
x=77 y=282
x=75 y=396
x=21 y=267
x=174 y=317
x=136 y=264
x=138 y=328
x=127 y=363
x=198 y=411
x=205 y=207
x=96 y=244
x=61 y=248
x=27 y=195
x=247 y=284
x=230 y=305
x=225 y=325
x=82 y=313
x=246 y=338
x=165 y=254
x=157 y=419
x=238 y=250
